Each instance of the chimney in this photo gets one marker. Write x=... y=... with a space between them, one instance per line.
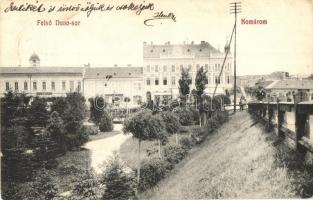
x=203 y=42
x=115 y=65
x=129 y=65
x=192 y=42
x=144 y=43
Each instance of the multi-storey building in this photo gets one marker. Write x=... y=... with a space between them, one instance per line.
x=41 y=81
x=162 y=65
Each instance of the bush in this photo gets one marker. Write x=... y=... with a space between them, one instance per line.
x=86 y=186
x=171 y=122
x=118 y=184
x=106 y=123
x=198 y=134
x=91 y=130
x=174 y=153
x=186 y=142
x=75 y=140
x=185 y=116
x=152 y=171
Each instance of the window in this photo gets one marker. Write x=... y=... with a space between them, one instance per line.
x=228 y=81
x=164 y=68
x=219 y=67
x=63 y=85
x=215 y=67
x=156 y=81
x=189 y=67
x=16 y=85
x=165 y=81
x=7 y=86
x=79 y=86
x=44 y=86
x=52 y=85
x=181 y=67
x=148 y=81
x=173 y=68
x=34 y=85
x=71 y=86
x=25 y=86
x=173 y=80
x=209 y=78
x=148 y=68
x=156 y=68
x=206 y=67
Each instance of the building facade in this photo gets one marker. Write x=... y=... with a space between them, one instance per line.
x=162 y=66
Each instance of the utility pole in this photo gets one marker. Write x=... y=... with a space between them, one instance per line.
x=235 y=7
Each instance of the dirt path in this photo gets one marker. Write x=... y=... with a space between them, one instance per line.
x=239 y=161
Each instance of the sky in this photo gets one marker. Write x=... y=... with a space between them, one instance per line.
x=285 y=43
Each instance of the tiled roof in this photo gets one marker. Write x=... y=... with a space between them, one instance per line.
x=41 y=70
x=116 y=72
x=204 y=49
x=292 y=84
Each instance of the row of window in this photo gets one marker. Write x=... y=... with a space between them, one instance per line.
x=43 y=86
x=207 y=67
x=173 y=80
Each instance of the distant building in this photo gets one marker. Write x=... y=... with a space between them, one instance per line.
x=162 y=65
x=283 y=88
x=41 y=81
x=114 y=83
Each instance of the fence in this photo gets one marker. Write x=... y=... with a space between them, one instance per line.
x=274 y=115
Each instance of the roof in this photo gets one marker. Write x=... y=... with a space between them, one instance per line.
x=292 y=84
x=40 y=70
x=116 y=72
x=204 y=49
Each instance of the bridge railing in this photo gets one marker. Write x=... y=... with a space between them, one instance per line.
x=275 y=114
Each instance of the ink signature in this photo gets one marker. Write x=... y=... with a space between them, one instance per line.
x=160 y=16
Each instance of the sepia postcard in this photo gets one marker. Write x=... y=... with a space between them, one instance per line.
x=156 y=99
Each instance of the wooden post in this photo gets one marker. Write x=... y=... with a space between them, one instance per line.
x=280 y=120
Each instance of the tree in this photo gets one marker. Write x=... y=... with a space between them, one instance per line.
x=106 y=123
x=97 y=106
x=38 y=113
x=118 y=183
x=311 y=76
x=56 y=129
x=86 y=186
x=59 y=105
x=171 y=122
x=143 y=126
x=74 y=115
x=201 y=81
x=183 y=82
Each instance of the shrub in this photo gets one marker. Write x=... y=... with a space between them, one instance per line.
x=152 y=171
x=86 y=186
x=97 y=106
x=198 y=134
x=118 y=184
x=43 y=187
x=185 y=116
x=106 y=123
x=174 y=153
x=91 y=130
x=75 y=140
x=186 y=142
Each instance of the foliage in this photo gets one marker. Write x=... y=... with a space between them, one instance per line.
x=186 y=142
x=200 y=82
x=152 y=171
x=171 y=122
x=97 y=106
x=118 y=184
x=74 y=113
x=56 y=129
x=185 y=116
x=106 y=123
x=86 y=186
x=143 y=125
x=183 y=82
x=43 y=188
x=38 y=113
x=59 y=105
x=174 y=153
x=76 y=139
x=91 y=130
